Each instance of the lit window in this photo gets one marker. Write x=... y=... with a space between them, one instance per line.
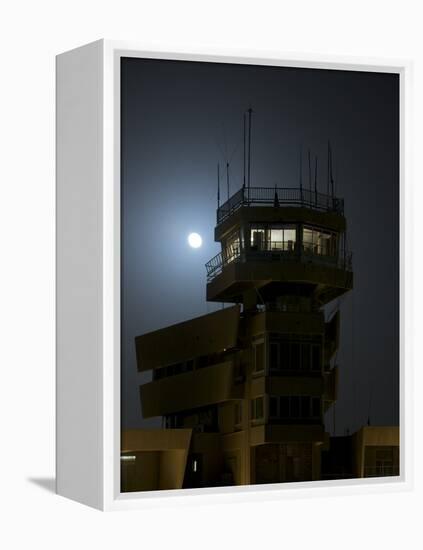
x=276 y=239
x=308 y=239
x=232 y=248
x=282 y=238
x=321 y=242
x=273 y=237
x=289 y=238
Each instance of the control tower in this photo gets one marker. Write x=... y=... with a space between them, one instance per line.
x=245 y=388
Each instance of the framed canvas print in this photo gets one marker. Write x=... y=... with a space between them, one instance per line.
x=230 y=271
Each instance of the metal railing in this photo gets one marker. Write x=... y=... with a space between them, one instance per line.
x=287 y=251
x=279 y=196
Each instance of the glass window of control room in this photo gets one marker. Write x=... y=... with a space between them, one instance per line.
x=232 y=247
x=319 y=241
x=273 y=237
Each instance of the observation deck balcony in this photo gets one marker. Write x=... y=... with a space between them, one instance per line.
x=279 y=196
x=284 y=252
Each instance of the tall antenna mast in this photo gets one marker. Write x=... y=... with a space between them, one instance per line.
x=250 y=111
x=244 y=147
x=327 y=184
x=315 y=181
x=218 y=185
x=227 y=178
x=301 y=172
x=331 y=173
x=309 y=172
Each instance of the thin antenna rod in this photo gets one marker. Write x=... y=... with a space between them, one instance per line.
x=327 y=183
x=309 y=172
x=244 y=146
x=250 y=111
x=301 y=172
x=227 y=178
x=218 y=185
x=301 y=167
x=315 y=181
x=331 y=173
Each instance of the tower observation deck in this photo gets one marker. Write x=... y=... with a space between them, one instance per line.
x=276 y=241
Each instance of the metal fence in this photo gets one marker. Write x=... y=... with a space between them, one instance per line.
x=285 y=253
x=279 y=196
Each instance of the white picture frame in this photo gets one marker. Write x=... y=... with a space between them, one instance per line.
x=88 y=280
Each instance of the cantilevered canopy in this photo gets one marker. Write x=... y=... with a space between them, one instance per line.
x=206 y=335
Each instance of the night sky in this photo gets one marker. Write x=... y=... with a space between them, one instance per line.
x=178 y=120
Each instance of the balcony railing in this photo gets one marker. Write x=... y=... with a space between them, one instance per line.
x=279 y=196
x=273 y=251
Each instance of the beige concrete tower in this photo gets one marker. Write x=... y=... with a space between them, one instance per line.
x=283 y=258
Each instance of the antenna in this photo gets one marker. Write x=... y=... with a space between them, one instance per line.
x=331 y=173
x=309 y=171
x=315 y=181
x=250 y=112
x=218 y=185
x=327 y=183
x=243 y=185
x=301 y=167
x=227 y=178
x=301 y=172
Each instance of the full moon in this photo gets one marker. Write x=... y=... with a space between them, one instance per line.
x=195 y=240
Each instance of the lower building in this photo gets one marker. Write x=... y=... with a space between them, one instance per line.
x=372 y=451
x=178 y=458
x=154 y=459
x=253 y=416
